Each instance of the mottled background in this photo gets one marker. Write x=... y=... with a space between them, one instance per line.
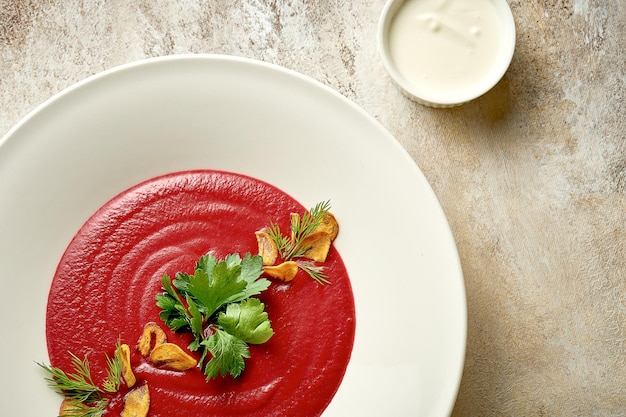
x=532 y=176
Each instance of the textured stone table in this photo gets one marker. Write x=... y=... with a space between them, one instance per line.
x=532 y=176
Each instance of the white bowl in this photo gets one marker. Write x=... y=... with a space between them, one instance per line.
x=453 y=41
x=116 y=129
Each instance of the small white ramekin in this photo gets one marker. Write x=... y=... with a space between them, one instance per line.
x=428 y=98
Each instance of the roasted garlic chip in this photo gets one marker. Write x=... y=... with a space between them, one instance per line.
x=284 y=272
x=329 y=225
x=318 y=244
x=267 y=247
x=172 y=356
x=70 y=408
x=127 y=371
x=295 y=219
x=137 y=402
x=151 y=331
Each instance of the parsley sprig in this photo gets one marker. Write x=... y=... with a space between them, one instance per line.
x=294 y=246
x=79 y=387
x=215 y=305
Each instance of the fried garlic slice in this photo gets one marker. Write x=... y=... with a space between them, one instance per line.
x=318 y=244
x=267 y=247
x=127 y=371
x=319 y=241
x=137 y=402
x=171 y=356
x=295 y=219
x=151 y=331
x=329 y=225
x=71 y=408
x=284 y=272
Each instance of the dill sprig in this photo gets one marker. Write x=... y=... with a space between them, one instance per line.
x=293 y=247
x=303 y=226
x=283 y=244
x=114 y=370
x=79 y=387
x=315 y=271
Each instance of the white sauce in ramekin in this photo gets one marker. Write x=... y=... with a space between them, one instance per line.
x=448 y=49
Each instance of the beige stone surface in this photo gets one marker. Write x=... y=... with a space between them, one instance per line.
x=532 y=176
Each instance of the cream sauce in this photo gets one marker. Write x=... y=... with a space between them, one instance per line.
x=445 y=46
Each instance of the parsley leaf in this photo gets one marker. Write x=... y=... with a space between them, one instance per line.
x=247 y=320
x=228 y=354
x=196 y=320
x=173 y=311
x=211 y=292
x=216 y=300
x=251 y=270
x=206 y=263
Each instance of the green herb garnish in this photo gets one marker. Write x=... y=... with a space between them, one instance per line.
x=215 y=305
x=79 y=387
x=314 y=271
x=292 y=247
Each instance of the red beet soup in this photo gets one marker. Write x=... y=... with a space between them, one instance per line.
x=105 y=285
